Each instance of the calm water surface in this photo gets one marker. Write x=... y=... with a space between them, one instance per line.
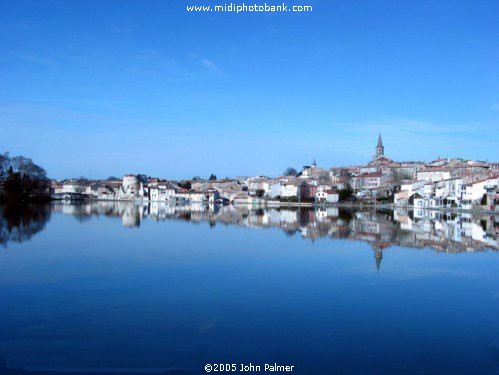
x=116 y=287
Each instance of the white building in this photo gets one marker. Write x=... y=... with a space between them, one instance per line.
x=272 y=188
x=473 y=193
x=407 y=190
x=450 y=189
x=288 y=189
x=327 y=196
x=205 y=196
x=161 y=193
x=433 y=174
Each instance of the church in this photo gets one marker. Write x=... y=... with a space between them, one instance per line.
x=379 y=156
x=386 y=166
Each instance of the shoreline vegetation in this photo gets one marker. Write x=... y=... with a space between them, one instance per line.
x=22 y=182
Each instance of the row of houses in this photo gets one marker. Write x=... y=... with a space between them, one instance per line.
x=241 y=190
x=444 y=182
x=450 y=192
x=131 y=188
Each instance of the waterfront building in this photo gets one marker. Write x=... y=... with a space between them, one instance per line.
x=327 y=196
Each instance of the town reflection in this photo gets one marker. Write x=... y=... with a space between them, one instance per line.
x=441 y=231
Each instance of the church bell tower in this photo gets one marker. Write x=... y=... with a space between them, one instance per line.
x=380 y=150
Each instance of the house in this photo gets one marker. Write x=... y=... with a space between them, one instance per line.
x=327 y=196
x=423 y=202
x=473 y=193
x=369 y=180
x=193 y=196
x=56 y=187
x=161 y=192
x=254 y=183
x=307 y=189
x=272 y=188
x=410 y=189
x=288 y=189
x=309 y=171
x=450 y=190
x=407 y=190
x=433 y=174
x=105 y=191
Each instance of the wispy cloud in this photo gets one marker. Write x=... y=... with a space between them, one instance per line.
x=211 y=66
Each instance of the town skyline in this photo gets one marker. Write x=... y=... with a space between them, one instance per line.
x=313 y=161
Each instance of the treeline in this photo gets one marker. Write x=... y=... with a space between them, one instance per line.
x=21 y=180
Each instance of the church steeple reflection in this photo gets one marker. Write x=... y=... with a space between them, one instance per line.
x=380 y=229
x=378 y=256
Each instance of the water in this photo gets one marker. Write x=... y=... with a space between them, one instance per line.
x=114 y=288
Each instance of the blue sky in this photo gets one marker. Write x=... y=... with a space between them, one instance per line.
x=99 y=88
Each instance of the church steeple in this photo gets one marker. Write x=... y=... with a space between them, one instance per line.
x=380 y=150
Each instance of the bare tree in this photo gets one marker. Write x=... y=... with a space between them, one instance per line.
x=4 y=165
x=25 y=181
x=26 y=167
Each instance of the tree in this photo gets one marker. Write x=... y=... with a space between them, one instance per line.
x=4 y=165
x=26 y=167
x=83 y=180
x=22 y=188
x=399 y=176
x=483 y=201
x=24 y=181
x=212 y=177
x=79 y=188
x=185 y=185
x=345 y=194
x=290 y=171
x=143 y=178
x=259 y=193
x=196 y=178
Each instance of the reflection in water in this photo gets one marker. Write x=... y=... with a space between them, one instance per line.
x=20 y=223
x=447 y=232
x=97 y=298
